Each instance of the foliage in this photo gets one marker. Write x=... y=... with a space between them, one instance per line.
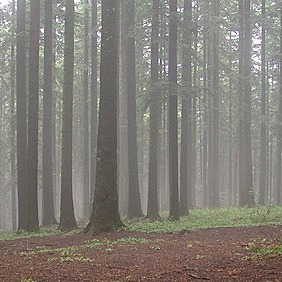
x=43 y=232
x=264 y=248
x=211 y=218
x=71 y=253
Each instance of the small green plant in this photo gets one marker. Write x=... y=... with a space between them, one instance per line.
x=210 y=218
x=29 y=279
x=263 y=248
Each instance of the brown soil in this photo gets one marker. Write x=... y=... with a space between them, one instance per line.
x=212 y=254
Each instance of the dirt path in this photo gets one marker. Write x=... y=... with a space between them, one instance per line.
x=211 y=254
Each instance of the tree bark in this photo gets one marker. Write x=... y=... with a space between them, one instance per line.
x=67 y=218
x=134 y=201
x=94 y=95
x=174 y=213
x=86 y=160
x=33 y=107
x=21 y=113
x=48 y=197
x=152 y=205
x=186 y=113
x=105 y=215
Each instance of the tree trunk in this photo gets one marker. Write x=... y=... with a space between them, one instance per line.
x=48 y=197
x=13 y=124
x=67 y=219
x=94 y=94
x=105 y=215
x=152 y=206
x=134 y=201
x=279 y=137
x=33 y=99
x=215 y=106
x=21 y=113
x=86 y=191
x=186 y=113
x=263 y=148
x=174 y=212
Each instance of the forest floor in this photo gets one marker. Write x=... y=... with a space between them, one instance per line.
x=216 y=254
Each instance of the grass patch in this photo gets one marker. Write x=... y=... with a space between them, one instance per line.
x=197 y=219
x=210 y=218
x=263 y=249
x=71 y=253
x=43 y=232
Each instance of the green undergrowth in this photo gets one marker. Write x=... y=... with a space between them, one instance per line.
x=263 y=248
x=197 y=219
x=72 y=253
x=43 y=232
x=210 y=218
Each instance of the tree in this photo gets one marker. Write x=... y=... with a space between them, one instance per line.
x=86 y=192
x=48 y=197
x=94 y=94
x=215 y=106
x=67 y=219
x=279 y=135
x=13 y=123
x=33 y=100
x=186 y=112
x=21 y=112
x=105 y=215
x=134 y=201
x=152 y=205
x=172 y=113
x=246 y=193
x=263 y=129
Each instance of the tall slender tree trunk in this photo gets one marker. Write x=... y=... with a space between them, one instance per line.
x=67 y=219
x=134 y=201
x=215 y=105
x=33 y=100
x=21 y=113
x=186 y=113
x=205 y=111
x=13 y=123
x=263 y=129
x=230 y=156
x=194 y=119
x=174 y=212
x=279 y=137
x=86 y=163
x=48 y=197
x=105 y=215
x=152 y=205
x=246 y=193
x=94 y=96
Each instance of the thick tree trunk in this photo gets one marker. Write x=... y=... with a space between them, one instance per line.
x=174 y=212
x=21 y=113
x=86 y=163
x=134 y=201
x=246 y=193
x=105 y=215
x=67 y=219
x=186 y=113
x=152 y=205
x=33 y=100
x=94 y=95
x=48 y=197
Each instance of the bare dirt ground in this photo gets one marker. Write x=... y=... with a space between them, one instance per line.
x=221 y=254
